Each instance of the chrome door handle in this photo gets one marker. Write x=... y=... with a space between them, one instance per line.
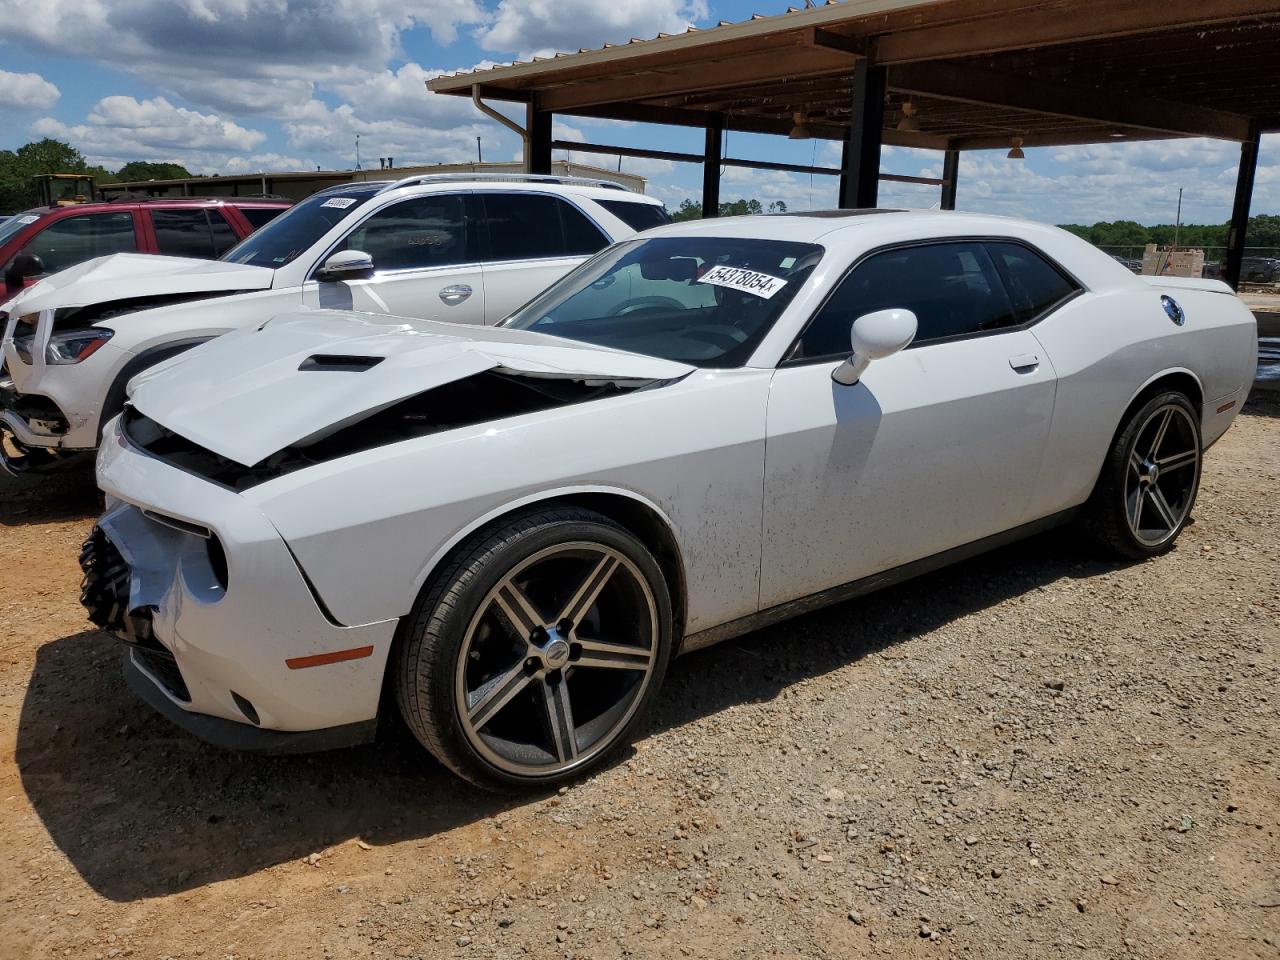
x=455 y=294
x=1024 y=363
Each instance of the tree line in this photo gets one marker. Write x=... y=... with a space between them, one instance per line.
x=1263 y=231
x=17 y=167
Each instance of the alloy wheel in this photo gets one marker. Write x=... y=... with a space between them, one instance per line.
x=1164 y=467
x=556 y=659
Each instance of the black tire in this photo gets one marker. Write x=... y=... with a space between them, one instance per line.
x=430 y=640
x=1105 y=513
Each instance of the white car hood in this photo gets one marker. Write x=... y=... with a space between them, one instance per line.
x=247 y=395
x=124 y=276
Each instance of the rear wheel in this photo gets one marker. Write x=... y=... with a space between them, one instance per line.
x=1148 y=485
x=537 y=651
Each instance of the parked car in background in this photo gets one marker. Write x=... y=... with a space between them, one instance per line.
x=1252 y=270
x=505 y=533
x=468 y=249
x=45 y=240
x=1260 y=270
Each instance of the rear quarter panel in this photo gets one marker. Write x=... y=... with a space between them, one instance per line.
x=1107 y=347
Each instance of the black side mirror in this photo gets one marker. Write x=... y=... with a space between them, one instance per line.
x=22 y=267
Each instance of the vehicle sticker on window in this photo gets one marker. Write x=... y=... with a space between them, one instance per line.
x=748 y=281
x=340 y=202
x=28 y=219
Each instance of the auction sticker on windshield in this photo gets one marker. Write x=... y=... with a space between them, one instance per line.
x=748 y=281
x=340 y=202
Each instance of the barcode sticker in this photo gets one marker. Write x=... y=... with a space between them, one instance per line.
x=748 y=281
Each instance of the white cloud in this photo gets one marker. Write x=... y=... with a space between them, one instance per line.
x=26 y=91
x=316 y=127
x=247 y=56
x=119 y=129
x=542 y=27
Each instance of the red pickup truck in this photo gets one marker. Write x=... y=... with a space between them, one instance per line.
x=44 y=240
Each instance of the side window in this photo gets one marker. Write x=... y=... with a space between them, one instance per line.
x=224 y=235
x=72 y=240
x=529 y=226
x=638 y=216
x=428 y=231
x=1034 y=284
x=581 y=236
x=523 y=226
x=203 y=234
x=260 y=216
x=952 y=288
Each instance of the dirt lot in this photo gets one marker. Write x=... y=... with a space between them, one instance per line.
x=1036 y=754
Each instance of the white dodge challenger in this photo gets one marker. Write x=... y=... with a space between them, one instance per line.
x=505 y=533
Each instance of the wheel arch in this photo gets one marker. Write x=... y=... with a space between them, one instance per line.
x=116 y=394
x=637 y=513
x=1174 y=378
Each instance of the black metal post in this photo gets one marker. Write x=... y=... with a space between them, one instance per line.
x=711 y=156
x=950 y=172
x=537 y=148
x=860 y=165
x=1240 y=208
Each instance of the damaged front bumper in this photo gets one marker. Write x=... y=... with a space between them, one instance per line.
x=222 y=632
x=32 y=431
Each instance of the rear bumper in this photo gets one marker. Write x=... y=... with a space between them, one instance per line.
x=231 y=735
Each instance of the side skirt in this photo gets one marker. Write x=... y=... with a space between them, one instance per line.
x=877 y=581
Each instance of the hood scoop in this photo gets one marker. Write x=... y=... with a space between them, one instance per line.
x=254 y=392
x=339 y=361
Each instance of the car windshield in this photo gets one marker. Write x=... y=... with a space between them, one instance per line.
x=706 y=301
x=295 y=230
x=17 y=223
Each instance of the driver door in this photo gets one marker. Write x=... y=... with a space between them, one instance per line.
x=425 y=254
x=935 y=447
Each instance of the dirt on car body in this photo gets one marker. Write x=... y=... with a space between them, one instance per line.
x=1032 y=754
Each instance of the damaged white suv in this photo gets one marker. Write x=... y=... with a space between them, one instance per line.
x=463 y=248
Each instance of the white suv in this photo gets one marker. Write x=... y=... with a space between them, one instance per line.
x=465 y=248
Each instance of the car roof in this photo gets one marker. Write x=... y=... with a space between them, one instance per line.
x=515 y=182
x=110 y=205
x=826 y=225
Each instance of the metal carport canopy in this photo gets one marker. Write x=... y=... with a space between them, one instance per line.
x=980 y=74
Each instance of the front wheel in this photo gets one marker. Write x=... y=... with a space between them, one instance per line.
x=538 y=649
x=1149 y=482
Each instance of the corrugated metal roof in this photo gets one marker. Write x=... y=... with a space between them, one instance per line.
x=792 y=18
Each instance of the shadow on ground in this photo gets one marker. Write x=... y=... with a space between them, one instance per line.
x=48 y=498
x=141 y=809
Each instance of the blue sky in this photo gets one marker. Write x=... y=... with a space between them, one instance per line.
x=248 y=85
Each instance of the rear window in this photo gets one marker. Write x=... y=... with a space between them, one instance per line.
x=637 y=216
x=260 y=216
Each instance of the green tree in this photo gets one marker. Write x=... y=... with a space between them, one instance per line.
x=17 y=167
x=149 y=170
x=691 y=210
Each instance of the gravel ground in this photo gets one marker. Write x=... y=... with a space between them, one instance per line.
x=1034 y=754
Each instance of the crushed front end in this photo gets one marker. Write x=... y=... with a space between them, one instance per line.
x=222 y=632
